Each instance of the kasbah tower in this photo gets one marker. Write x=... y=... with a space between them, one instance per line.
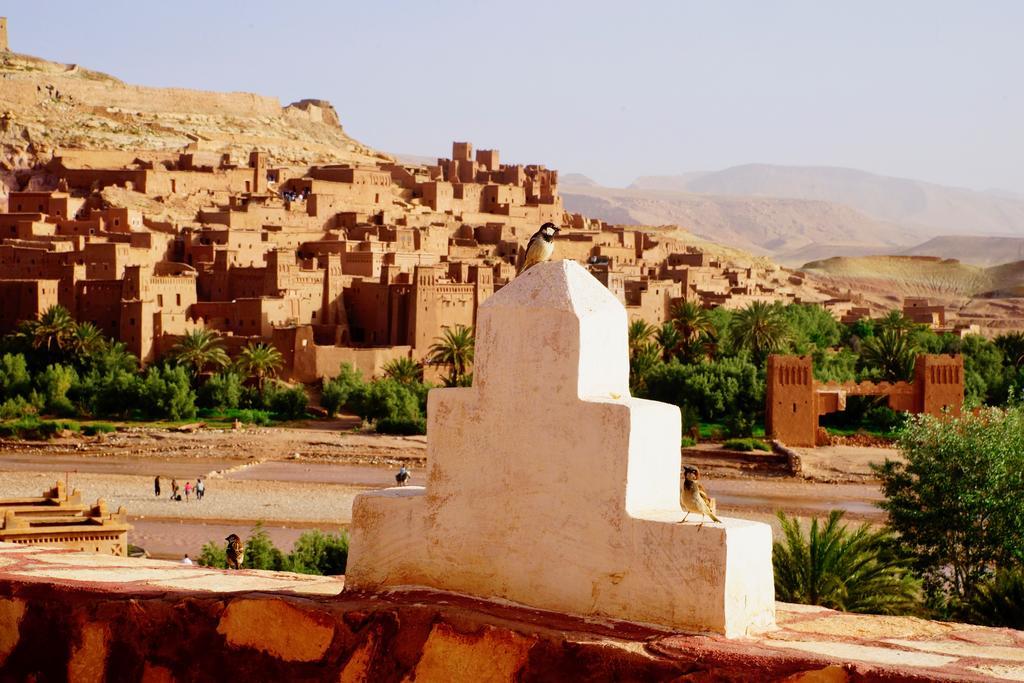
x=3 y=34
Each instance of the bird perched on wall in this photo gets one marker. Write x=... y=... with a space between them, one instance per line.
x=695 y=498
x=539 y=248
x=235 y=551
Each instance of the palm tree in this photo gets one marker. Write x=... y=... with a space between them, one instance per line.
x=404 y=370
x=895 y=320
x=853 y=571
x=199 y=350
x=259 y=361
x=87 y=340
x=891 y=353
x=669 y=340
x=695 y=329
x=761 y=329
x=454 y=348
x=1000 y=600
x=54 y=332
x=640 y=332
x=643 y=358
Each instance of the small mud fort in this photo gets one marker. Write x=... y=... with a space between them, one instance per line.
x=795 y=400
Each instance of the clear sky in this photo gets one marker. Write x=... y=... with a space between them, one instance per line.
x=923 y=89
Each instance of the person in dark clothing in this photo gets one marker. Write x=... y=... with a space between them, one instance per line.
x=156 y=486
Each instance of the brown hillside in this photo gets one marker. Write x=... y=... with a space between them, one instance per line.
x=46 y=107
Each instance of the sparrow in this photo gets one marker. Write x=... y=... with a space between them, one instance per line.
x=235 y=551
x=695 y=498
x=539 y=248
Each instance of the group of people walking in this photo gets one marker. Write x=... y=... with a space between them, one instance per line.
x=199 y=489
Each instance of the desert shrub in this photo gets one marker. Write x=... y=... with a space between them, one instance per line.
x=955 y=500
x=726 y=391
x=223 y=391
x=213 y=555
x=166 y=392
x=746 y=445
x=882 y=419
x=385 y=398
x=857 y=570
x=338 y=390
x=1000 y=600
x=401 y=426
x=287 y=403
x=16 y=407
x=316 y=552
x=95 y=428
x=54 y=383
x=14 y=376
x=687 y=442
x=261 y=553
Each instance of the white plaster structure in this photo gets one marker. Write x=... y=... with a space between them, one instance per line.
x=549 y=486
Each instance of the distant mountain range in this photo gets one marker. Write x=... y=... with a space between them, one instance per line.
x=798 y=214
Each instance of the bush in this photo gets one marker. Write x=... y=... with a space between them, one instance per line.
x=16 y=407
x=385 y=398
x=14 y=377
x=54 y=383
x=261 y=553
x=166 y=392
x=31 y=427
x=854 y=571
x=249 y=416
x=882 y=419
x=109 y=393
x=727 y=391
x=746 y=445
x=956 y=500
x=401 y=426
x=98 y=428
x=223 y=391
x=1000 y=600
x=318 y=553
x=337 y=391
x=687 y=442
x=288 y=403
x=213 y=555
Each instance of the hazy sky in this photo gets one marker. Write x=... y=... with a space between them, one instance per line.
x=929 y=90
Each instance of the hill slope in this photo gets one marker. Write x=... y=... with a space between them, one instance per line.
x=48 y=106
x=941 y=209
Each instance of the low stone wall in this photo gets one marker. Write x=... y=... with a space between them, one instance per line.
x=81 y=617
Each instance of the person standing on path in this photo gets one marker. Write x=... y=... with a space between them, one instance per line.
x=174 y=489
x=200 y=488
x=156 y=486
x=188 y=490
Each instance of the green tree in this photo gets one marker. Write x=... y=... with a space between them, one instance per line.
x=86 y=342
x=53 y=334
x=261 y=553
x=896 y=322
x=287 y=402
x=223 y=391
x=640 y=332
x=854 y=571
x=318 y=553
x=956 y=499
x=404 y=370
x=761 y=329
x=259 y=361
x=54 y=383
x=166 y=392
x=642 y=360
x=729 y=390
x=14 y=376
x=454 y=348
x=199 y=350
x=889 y=355
x=694 y=324
x=1012 y=346
x=812 y=327
x=337 y=391
x=669 y=339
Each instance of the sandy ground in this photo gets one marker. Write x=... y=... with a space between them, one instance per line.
x=296 y=479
